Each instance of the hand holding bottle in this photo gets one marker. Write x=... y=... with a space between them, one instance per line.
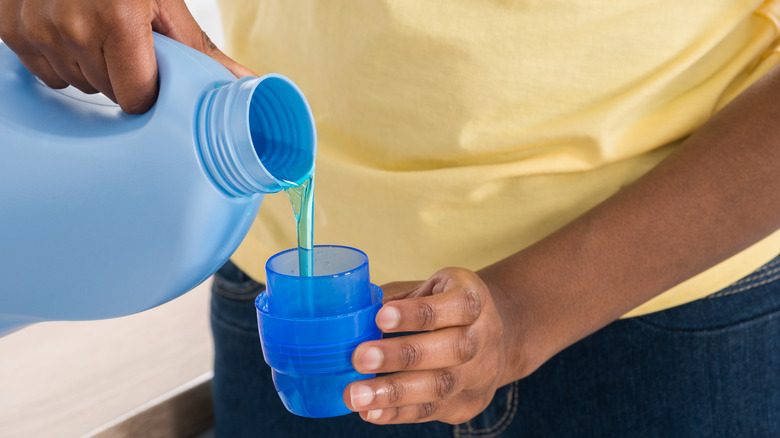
x=102 y=46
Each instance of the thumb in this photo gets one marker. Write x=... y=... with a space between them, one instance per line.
x=175 y=21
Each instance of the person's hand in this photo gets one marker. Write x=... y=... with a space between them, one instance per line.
x=102 y=45
x=450 y=371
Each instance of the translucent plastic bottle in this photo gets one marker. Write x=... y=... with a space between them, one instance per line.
x=104 y=214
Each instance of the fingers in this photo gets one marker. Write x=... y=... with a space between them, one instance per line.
x=447 y=315
x=449 y=370
x=70 y=72
x=400 y=390
x=442 y=348
x=121 y=56
x=447 y=411
x=405 y=414
x=40 y=66
x=95 y=71
x=176 y=21
x=211 y=49
x=71 y=48
x=419 y=396
x=131 y=66
x=102 y=46
x=415 y=397
x=458 y=306
x=13 y=35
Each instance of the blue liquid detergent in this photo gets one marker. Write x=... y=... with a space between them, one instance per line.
x=302 y=198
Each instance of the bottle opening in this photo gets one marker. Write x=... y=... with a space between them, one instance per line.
x=257 y=135
x=282 y=130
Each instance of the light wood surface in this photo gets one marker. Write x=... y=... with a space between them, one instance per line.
x=70 y=379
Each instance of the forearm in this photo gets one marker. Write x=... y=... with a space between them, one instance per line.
x=716 y=195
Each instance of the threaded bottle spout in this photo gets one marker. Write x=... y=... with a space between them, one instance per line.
x=257 y=135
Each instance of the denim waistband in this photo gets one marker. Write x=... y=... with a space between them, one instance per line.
x=763 y=275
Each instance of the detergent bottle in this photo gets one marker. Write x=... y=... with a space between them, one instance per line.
x=104 y=214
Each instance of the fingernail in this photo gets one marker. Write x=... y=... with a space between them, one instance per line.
x=388 y=318
x=360 y=395
x=373 y=414
x=371 y=359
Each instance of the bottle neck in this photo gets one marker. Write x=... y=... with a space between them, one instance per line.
x=257 y=135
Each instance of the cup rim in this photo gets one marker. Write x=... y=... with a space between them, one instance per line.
x=340 y=274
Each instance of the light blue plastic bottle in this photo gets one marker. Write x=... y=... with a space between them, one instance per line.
x=104 y=214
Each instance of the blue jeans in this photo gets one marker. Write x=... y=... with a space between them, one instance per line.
x=710 y=368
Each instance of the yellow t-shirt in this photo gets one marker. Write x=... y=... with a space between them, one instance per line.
x=455 y=133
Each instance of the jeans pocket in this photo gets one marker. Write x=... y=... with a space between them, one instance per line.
x=749 y=300
x=496 y=418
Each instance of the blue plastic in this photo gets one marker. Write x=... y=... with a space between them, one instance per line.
x=326 y=293
x=106 y=214
x=311 y=355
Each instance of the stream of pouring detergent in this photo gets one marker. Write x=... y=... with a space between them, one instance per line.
x=302 y=198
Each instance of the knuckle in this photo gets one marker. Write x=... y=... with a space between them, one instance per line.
x=124 y=14
x=467 y=345
x=394 y=391
x=29 y=15
x=395 y=414
x=472 y=305
x=76 y=31
x=426 y=315
x=459 y=418
x=470 y=408
x=35 y=27
x=456 y=418
x=479 y=404
x=38 y=36
x=444 y=383
x=208 y=46
x=411 y=355
x=426 y=410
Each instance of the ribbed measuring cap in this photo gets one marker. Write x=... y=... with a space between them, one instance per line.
x=316 y=345
x=257 y=135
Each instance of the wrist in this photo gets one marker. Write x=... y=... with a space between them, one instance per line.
x=545 y=308
x=525 y=342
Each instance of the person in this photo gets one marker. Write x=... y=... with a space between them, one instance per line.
x=603 y=175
